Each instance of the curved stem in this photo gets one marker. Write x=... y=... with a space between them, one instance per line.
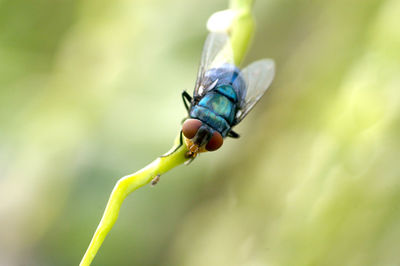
x=241 y=4
x=241 y=32
x=123 y=188
x=242 y=29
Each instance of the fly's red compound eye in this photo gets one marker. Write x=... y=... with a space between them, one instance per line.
x=190 y=127
x=215 y=142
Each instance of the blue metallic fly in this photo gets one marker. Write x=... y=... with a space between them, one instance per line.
x=223 y=95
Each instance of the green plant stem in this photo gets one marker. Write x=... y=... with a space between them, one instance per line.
x=241 y=32
x=123 y=188
x=241 y=4
x=242 y=29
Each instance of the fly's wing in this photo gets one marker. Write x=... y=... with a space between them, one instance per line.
x=258 y=77
x=216 y=52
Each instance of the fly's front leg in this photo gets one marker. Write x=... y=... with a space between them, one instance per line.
x=186 y=97
x=177 y=147
x=233 y=134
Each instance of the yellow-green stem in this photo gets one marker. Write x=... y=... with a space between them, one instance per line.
x=242 y=29
x=122 y=189
x=241 y=32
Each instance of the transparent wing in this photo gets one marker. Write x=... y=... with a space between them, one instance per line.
x=258 y=77
x=216 y=52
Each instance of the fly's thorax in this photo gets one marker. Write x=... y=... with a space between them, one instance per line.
x=209 y=117
x=217 y=109
x=220 y=105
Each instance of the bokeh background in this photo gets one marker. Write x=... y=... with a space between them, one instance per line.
x=90 y=91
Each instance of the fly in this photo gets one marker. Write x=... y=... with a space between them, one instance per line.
x=223 y=95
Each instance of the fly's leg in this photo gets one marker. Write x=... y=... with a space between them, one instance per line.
x=190 y=155
x=186 y=98
x=233 y=134
x=183 y=120
x=189 y=161
x=177 y=147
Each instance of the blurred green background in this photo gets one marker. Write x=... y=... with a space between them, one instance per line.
x=90 y=91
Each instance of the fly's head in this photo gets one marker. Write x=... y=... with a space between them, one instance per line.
x=200 y=137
